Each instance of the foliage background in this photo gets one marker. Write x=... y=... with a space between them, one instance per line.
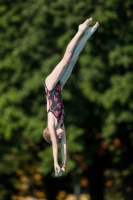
x=98 y=99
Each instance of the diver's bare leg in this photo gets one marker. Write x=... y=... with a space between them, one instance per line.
x=88 y=32
x=56 y=74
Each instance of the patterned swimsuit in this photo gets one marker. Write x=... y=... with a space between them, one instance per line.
x=55 y=102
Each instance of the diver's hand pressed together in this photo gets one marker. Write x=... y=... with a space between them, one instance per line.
x=59 y=171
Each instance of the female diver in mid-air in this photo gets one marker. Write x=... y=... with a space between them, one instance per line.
x=54 y=83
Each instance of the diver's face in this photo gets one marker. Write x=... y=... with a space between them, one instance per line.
x=59 y=133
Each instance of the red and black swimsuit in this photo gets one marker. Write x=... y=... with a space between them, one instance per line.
x=55 y=102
